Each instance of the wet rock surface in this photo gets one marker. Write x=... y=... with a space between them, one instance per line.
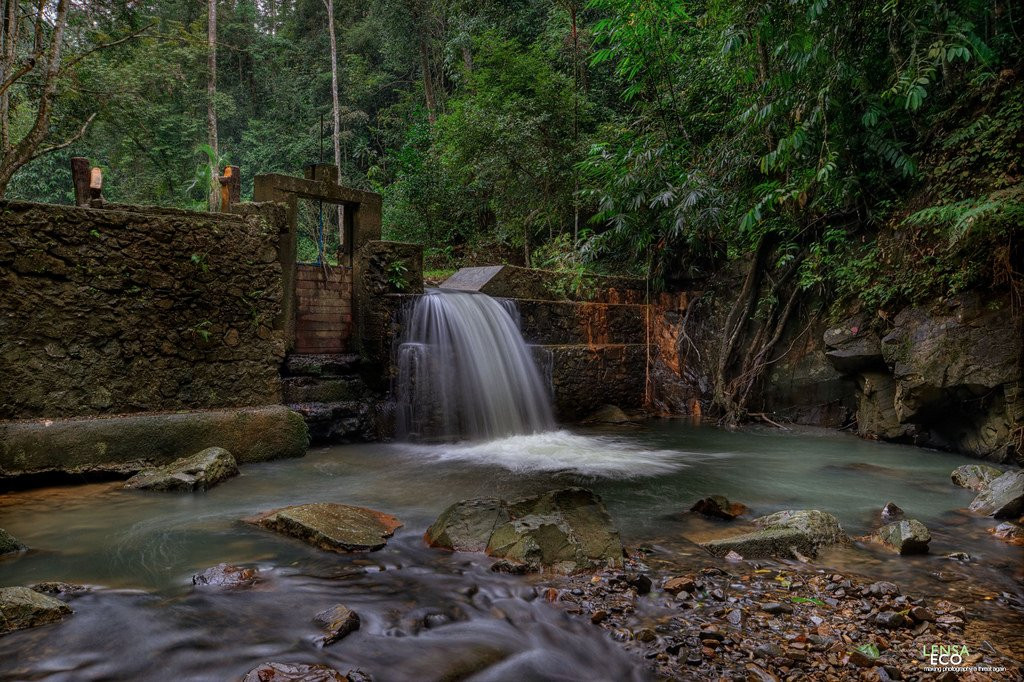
x=1003 y=497
x=563 y=530
x=608 y=414
x=908 y=536
x=337 y=622
x=770 y=622
x=719 y=507
x=890 y=513
x=201 y=471
x=301 y=672
x=332 y=527
x=9 y=544
x=22 y=607
x=226 y=575
x=974 y=476
x=790 y=533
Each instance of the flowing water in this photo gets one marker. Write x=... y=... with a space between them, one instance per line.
x=464 y=371
x=427 y=614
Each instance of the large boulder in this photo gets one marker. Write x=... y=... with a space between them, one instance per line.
x=852 y=347
x=974 y=476
x=563 y=530
x=21 y=607
x=9 y=544
x=1003 y=498
x=788 y=533
x=201 y=471
x=332 y=527
x=908 y=536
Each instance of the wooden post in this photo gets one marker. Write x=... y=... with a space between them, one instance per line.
x=96 y=185
x=230 y=188
x=80 y=178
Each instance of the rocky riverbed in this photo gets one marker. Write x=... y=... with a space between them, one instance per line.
x=698 y=619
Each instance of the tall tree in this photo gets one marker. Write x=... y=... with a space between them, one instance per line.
x=211 y=105
x=39 y=52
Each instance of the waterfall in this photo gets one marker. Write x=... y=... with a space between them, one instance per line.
x=464 y=371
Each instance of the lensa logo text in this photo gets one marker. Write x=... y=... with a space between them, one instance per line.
x=945 y=655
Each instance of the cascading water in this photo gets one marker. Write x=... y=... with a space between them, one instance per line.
x=464 y=371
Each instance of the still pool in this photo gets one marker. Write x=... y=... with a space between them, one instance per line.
x=144 y=620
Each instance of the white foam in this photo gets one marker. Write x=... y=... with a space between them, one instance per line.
x=563 y=451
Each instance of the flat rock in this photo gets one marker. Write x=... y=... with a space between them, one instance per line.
x=563 y=530
x=332 y=527
x=9 y=544
x=293 y=672
x=718 y=507
x=908 y=536
x=226 y=575
x=1003 y=498
x=56 y=587
x=200 y=471
x=790 y=533
x=974 y=476
x=21 y=607
x=337 y=622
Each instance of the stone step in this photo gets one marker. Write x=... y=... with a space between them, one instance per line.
x=347 y=421
x=321 y=365
x=307 y=389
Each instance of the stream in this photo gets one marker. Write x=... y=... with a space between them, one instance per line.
x=427 y=614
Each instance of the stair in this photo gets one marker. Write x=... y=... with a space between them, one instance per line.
x=330 y=394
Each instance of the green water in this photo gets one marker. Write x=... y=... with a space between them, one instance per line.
x=141 y=549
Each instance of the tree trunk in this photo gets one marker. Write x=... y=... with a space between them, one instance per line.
x=428 y=81
x=14 y=156
x=336 y=112
x=211 y=106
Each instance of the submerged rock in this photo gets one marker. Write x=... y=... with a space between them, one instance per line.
x=56 y=587
x=974 y=476
x=201 y=471
x=719 y=507
x=909 y=536
x=332 y=527
x=297 y=672
x=790 y=533
x=9 y=544
x=608 y=414
x=564 y=530
x=21 y=607
x=890 y=513
x=1009 y=532
x=226 y=575
x=1003 y=498
x=336 y=622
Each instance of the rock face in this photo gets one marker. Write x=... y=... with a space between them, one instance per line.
x=946 y=375
x=21 y=607
x=332 y=527
x=908 y=536
x=226 y=575
x=9 y=544
x=564 y=530
x=336 y=622
x=974 y=476
x=1003 y=498
x=783 y=534
x=719 y=507
x=293 y=672
x=201 y=471
x=853 y=348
